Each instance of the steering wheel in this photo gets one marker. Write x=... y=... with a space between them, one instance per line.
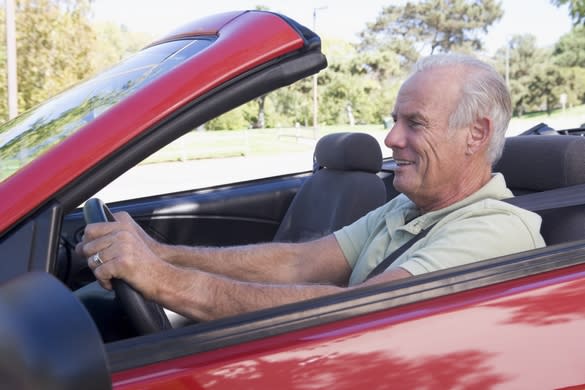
x=146 y=316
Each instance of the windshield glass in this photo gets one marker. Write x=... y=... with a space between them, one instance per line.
x=34 y=132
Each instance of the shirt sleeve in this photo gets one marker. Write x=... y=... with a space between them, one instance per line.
x=353 y=238
x=473 y=239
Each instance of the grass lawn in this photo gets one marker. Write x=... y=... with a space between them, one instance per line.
x=253 y=142
x=570 y=118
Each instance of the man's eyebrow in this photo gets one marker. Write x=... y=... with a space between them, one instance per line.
x=412 y=116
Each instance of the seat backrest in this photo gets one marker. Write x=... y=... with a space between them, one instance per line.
x=343 y=188
x=534 y=163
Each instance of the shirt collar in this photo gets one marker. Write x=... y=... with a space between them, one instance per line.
x=493 y=189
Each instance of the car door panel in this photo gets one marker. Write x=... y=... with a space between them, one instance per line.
x=228 y=215
x=233 y=214
x=32 y=246
x=380 y=337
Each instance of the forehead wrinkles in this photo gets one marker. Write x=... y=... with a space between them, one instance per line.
x=436 y=90
x=412 y=105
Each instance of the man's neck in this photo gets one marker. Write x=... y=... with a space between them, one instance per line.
x=467 y=187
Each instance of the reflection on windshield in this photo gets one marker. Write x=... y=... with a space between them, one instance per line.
x=29 y=135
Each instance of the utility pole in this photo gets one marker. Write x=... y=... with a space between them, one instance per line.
x=508 y=63
x=315 y=100
x=11 y=60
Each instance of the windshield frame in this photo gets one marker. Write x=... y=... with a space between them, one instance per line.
x=36 y=131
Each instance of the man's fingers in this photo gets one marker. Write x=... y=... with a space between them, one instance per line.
x=111 y=267
x=89 y=248
x=123 y=217
x=98 y=229
x=107 y=284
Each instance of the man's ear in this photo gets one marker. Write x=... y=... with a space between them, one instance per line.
x=479 y=135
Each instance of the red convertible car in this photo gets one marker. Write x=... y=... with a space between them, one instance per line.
x=512 y=322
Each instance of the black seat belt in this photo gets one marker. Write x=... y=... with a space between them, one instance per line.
x=551 y=199
x=537 y=201
x=384 y=264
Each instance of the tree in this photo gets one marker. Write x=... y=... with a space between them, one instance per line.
x=361 y=83
x=569 y=51
x=576 y=9
x=545 y=87
x=575 y=85
x=293 y=104
x=54 y=40
x=569 y=56
x=114 y=43
x=430 y=25
x=523 y=55
x=58 y=46
x=231 y=120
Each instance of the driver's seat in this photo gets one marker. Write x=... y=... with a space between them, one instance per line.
x=344 y=186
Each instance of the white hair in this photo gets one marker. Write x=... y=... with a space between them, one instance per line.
x=484 y=94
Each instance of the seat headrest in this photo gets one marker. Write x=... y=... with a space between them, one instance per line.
x=543 y=162
x=349 y=151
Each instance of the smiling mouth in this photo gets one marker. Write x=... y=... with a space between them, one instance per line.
x=402 y=163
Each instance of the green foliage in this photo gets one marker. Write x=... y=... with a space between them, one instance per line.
x=361 y=84
x=64 y=46
x=538 y=77
x=114 y=43
x=575 y=85
x=53 y=40
x=431 y=25
x=545 y=87
x=292 y=105
x=365 y=78
x=231 y=120
x=522 y=54
x=569 y=51
x=57 y=47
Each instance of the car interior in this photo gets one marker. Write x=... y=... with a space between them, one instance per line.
x=343 y=187
x=349 y=179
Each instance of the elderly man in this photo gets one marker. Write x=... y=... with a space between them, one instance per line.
x=450 y=118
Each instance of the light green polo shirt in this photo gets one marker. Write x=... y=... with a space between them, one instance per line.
x=476 y=228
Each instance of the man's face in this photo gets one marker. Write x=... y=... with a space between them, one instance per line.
x=430 y=156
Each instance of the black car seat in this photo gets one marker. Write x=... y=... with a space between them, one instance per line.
x=534 y=163
x=343 y=187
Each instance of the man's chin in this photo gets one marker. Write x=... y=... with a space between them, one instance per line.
x=400 y=184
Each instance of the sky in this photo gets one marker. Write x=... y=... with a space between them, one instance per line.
x=334 y=18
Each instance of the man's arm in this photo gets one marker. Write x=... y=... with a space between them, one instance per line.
x=206 y=296
x=299 y=272
x=319 y=261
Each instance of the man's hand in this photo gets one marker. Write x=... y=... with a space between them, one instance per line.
x=126 y=251
x=125 y=219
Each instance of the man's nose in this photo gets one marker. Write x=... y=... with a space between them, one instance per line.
x=394 y=138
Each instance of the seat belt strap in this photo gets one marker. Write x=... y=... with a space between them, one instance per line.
x=551 y=199
x=538 y=201
x=384 y=264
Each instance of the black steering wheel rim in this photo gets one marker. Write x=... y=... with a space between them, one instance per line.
x=146 y=316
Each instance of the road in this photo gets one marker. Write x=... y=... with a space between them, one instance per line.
x=153 y=179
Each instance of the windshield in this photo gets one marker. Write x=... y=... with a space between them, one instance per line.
x=34 y=132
